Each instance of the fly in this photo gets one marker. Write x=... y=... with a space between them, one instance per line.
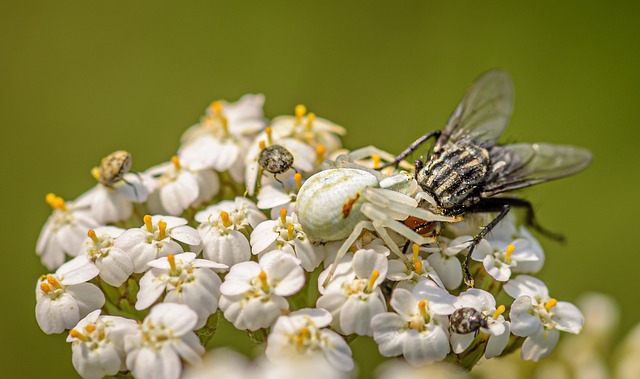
x=467 y=168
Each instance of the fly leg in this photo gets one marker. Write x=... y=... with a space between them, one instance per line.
x=411 y=148
x=468 y=279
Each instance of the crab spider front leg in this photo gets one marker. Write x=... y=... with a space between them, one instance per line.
x=345 y=247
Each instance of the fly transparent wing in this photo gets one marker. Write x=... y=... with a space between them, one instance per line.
x=522 y=165
x=483 y=112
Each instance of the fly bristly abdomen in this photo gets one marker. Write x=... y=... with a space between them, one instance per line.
x=456 y=175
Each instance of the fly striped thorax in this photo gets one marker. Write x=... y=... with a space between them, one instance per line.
x=454 y=176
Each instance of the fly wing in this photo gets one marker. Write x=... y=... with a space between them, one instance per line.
x=483 y=112
x=522 y=165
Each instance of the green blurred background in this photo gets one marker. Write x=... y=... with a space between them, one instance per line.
x=80 y=79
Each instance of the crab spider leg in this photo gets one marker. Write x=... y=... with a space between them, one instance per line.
x=386 y=199
x=345 y=247
x=380 y=217
x=369 y=151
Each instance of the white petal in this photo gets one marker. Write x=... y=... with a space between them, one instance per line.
x=525 y=285
x=151 y=287
x=366 y=261
x=78 y=270
x=356 y=315
x=337 y=351
x=426 y=347
x=388 y=332
x=88 y=296
x=54 y=316
x=185 y=234
x=540 y=345
x=180 y=318
x=523 y=322
x=115 y=268
x=449 y=269
x=567 y=317
x=460 y=342
x=403 y=302
x=497 y=342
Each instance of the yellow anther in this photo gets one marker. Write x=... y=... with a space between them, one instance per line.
x=90 y=328
x=375 y=274
x=76 y=334
x=303 y=336
x=500 y=310
x=176 y=162
x=550 y=304
x=53 y=282
x=263 y=280
x=320 y=153
x=283 y=216
x=50 y=198
x=216 y=107
x=417 y=265
x=225 y=125
x=147 y=223
x=311 y=117
x=298 y=178
x=301 y=110
x=55 y=202
x=172 y=261
x=416 y=250
x=422 y=307
x=46 y=288
x=376 y=160
x=95 y=172
x=92 y=234
x=262 y=144
x=269 y=134
x=510 y=250
x=290 y=230
x=226 y=220
x=162 y=228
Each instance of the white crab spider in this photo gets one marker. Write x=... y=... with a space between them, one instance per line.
x=340 y=202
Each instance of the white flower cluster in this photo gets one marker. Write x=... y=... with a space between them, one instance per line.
x=144 y=262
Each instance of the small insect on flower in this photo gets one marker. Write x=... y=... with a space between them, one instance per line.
x=467 y=168
x=275 y=159
x=467 y=320
x=113 y=168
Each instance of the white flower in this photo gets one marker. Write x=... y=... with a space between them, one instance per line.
x=353 y=295
x=165 y=336
x=445 y=260
x=253 y=293
x=155 y=239
x=539 y=317
x=222 y=137
x=224 y=227
x=99 y=256
x=286 y=234
x=300 y=335
x=308 y=128
x=419 y=329
x=278 y=196
x=62 y=301
x=97 y=344
x=115 y=203
x=179 y=187
x=497 y=326
x=504 y=257
x=64 y=231
x=182 y=279
x=408 y=277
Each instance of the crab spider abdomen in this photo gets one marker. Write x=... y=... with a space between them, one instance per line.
x=328 y=204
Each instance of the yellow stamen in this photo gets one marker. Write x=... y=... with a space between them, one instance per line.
x=376 y=161
x=500 y=310
x=298 y=178
x=301 y=110
x=290 y=230
x=162 y=228
x=311 y=117
x=417 y=265
x=90 y=328
x=263 y=280
x=510 y=250
x=55 y=202
x=224 y=217
x=320 y=153
x=176 y=162
x=148 y=224
x=416 y=249
x=53 y=281
x=283 y=216
x=550 y=304
x=303 y=336
x=375 y=274
x=76 y=334
x=422 y=307
x=95 y=172
x=92 y=234
x=216 y=107
x=46 y=288
x=225 y=125
x=269 y=134
x=262 y=144
x=172 y=261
